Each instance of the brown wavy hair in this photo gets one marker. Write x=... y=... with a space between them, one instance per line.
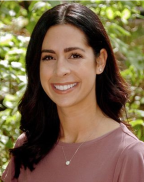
x=39 y=117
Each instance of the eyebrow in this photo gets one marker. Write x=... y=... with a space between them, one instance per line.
x=65 y=50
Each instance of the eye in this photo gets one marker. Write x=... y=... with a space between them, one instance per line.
x=47 y=58
x=75 y=56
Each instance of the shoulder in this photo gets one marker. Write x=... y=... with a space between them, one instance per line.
x=128 y=138
x=127 y=144
x=9 y=171
x=131 y=144
x=133 y=151
x=130 y=163
x=20 y=140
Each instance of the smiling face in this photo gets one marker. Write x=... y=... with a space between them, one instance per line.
x=68 y=66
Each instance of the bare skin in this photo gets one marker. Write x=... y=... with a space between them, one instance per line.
x=84 y=124
x=68 y=70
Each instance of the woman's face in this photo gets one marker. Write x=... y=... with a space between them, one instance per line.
x=68 y=66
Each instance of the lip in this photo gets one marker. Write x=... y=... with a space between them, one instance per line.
x=64 y=91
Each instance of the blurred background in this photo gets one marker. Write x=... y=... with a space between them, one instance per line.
x=124 y=22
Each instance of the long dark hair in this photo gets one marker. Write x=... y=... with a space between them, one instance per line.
x=40 y=119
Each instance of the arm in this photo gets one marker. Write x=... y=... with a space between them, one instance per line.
x=8 y=174
x=130 y=167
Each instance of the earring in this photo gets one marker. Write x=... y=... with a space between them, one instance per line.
x=100 y=70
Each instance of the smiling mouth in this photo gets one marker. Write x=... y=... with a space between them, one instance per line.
x=65 y=87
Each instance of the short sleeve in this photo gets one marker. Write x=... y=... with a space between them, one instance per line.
x=8 y=174
x=130 y=166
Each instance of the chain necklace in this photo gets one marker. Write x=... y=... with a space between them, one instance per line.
x=69 y=161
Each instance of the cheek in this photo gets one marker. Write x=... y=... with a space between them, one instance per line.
x=42 y=73
x=89 y=74
x=89 y=69
x=45 y=73
x=44 y=78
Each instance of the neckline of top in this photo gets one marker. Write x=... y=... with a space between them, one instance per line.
x=121 y=127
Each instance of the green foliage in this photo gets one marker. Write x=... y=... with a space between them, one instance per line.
x=12 y=86
x=135 y=106
x=124 y=25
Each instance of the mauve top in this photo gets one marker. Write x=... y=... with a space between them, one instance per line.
x=117 y=156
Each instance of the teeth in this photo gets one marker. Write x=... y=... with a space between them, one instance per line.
x=64 y=87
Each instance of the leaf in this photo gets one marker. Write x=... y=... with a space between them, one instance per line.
x=9 y=144
x=126 y=14
x=137 y=122
x=16 y=65
x=110 y=13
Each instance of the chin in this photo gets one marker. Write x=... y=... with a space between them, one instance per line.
x=64 y=105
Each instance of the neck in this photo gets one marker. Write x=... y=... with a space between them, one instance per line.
x=78 y=124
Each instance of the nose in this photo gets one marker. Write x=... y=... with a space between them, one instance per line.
x=62 y=68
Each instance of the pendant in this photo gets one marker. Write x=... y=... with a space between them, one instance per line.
x=67 y=163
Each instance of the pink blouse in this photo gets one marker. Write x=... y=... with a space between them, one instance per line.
x=117 y=156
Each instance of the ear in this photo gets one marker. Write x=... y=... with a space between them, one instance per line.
x=101 y=61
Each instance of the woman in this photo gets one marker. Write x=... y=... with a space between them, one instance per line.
x=72 y=107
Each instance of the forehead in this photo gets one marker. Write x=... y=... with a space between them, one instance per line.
x=65 y=34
